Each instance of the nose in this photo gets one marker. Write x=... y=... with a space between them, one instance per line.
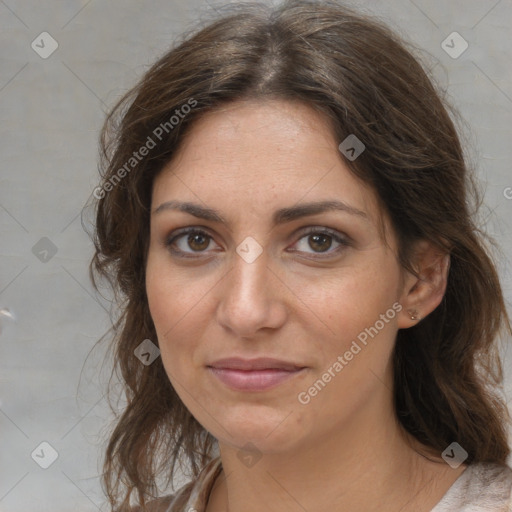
x=252 y=298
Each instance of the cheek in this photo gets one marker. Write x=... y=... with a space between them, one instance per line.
x=353 y=354
x=354 y=298
x=180 y=311
x=359 y=312
x=170 y=295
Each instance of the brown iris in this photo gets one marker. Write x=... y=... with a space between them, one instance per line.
x=319 y=241
x=198 y=241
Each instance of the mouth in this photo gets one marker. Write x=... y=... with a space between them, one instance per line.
x=254 y=374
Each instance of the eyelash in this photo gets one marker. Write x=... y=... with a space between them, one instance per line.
x=344 y=242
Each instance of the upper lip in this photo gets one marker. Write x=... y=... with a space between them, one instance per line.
x=260 y=363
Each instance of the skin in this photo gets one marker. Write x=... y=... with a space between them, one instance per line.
x=304 y=300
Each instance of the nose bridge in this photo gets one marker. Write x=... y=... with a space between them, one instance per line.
x=249 y=279
x=249 y=299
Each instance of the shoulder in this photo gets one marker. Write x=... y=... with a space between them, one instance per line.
x=158 y=505
x=482 y=487
x=192 y=496
x=170 y=503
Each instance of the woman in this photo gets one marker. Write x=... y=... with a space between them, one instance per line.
x=309 y=314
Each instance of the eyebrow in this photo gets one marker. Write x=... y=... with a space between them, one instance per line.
x=281 y=216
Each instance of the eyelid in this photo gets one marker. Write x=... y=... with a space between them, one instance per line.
x=342 y=239
x=185 y=231
x=338 y=235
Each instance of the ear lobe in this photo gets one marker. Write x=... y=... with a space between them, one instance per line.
x=422 y=294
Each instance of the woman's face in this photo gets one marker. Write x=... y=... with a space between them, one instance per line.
x=251 y=266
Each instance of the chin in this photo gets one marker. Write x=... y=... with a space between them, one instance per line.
x=268 y=429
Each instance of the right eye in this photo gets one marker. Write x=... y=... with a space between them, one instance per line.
x=188 y=241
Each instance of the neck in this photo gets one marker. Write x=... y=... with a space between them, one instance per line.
x=368 y=465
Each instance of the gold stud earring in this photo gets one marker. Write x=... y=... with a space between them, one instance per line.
x=413 y=314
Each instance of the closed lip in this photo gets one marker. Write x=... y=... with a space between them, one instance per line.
x=260 y=363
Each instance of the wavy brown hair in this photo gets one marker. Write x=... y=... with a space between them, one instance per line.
x=367 y=81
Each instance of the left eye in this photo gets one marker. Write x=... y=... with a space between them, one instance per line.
x=320 y=242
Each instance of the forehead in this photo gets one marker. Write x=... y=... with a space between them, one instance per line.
x=261 y=155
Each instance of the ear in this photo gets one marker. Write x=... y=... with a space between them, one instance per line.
x=422 y=294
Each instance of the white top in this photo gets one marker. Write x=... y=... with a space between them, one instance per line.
x=481 y=487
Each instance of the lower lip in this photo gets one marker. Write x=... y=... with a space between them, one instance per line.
x=253 y=380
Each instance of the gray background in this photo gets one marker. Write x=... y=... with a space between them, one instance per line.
x=50 y=113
